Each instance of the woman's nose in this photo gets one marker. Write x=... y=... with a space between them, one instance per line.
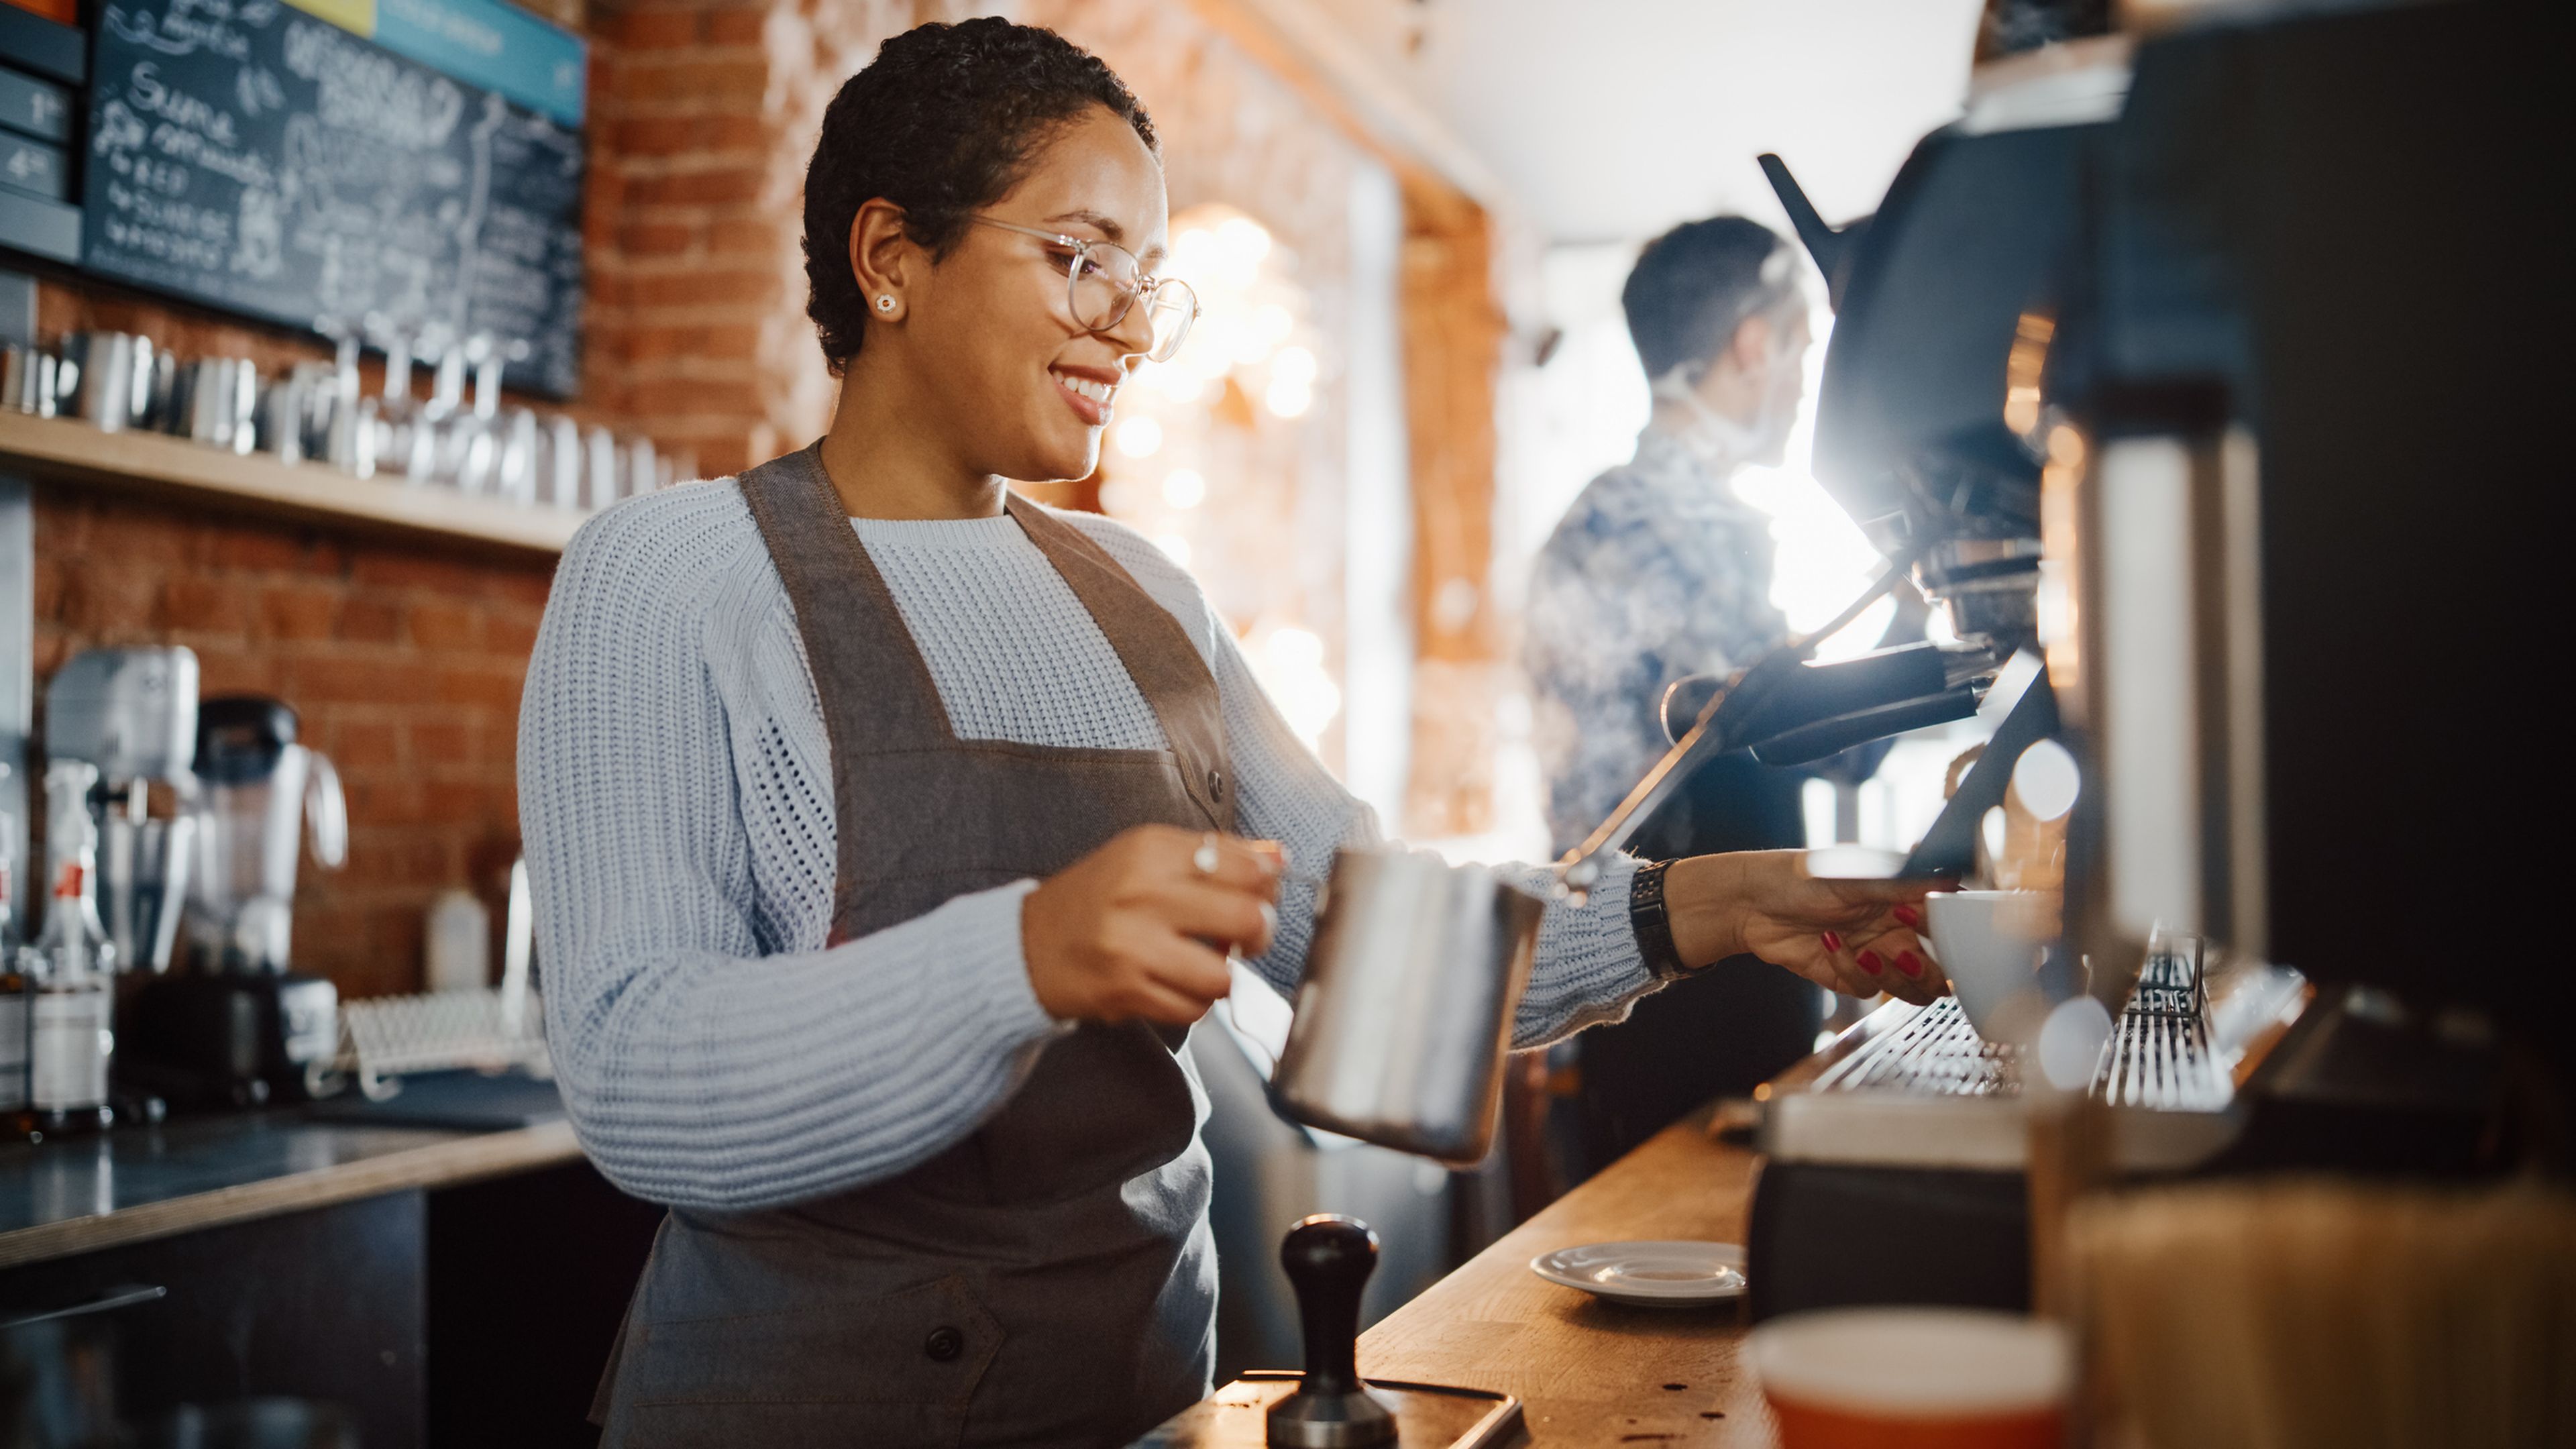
x=1133 y=334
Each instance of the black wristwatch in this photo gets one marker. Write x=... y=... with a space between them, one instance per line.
x=1653 y=924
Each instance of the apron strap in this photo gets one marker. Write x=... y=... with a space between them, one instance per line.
x=855 y=640
x=1157 y=652
x=876 y=689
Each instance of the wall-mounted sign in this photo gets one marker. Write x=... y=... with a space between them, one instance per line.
x=265 y=159
x=481 y=42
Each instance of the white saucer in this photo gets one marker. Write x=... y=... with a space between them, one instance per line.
x=1649 y=1275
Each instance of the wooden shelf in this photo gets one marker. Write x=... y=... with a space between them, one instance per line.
x=182 y=471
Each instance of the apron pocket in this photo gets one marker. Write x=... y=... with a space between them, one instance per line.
x=896 y=1371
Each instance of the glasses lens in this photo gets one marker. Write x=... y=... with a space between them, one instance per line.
x=1104 y=285
x=1171 y=312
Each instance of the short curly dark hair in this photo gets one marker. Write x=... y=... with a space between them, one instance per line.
x=942 y=123
x=1695 y=284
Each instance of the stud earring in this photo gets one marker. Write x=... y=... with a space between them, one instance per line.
x=885 y=304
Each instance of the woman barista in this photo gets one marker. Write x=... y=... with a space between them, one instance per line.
x=888 y=830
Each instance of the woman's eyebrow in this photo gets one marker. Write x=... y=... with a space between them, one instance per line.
x=1106 y=226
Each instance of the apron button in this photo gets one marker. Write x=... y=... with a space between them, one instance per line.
x=944 y=1344
x=1216 y=782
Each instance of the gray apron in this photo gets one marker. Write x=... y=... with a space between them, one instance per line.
x=1036 y=1282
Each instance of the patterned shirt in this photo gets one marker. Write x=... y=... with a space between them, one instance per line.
x=1658 y=571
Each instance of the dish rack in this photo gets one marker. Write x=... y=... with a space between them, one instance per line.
x=492 y=1028
x=485 y=1029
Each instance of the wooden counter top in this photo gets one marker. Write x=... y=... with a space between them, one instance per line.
x=75 y=1195
x=1593 y=1373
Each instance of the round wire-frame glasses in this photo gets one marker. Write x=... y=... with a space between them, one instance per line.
x=1103 y=284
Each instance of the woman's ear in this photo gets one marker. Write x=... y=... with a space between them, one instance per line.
x=882 y=257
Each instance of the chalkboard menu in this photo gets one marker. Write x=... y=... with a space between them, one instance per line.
x=249 y=155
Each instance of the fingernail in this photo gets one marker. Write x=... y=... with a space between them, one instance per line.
x=1909 y=963
x=1909 y=915
x=1869 y=962
x=1269 y=918
x=1832 y=942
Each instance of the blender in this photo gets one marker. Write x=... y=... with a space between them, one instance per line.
x=243 y=1025
x=262 y=790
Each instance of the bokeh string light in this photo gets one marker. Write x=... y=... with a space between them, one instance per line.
x=1206 y=454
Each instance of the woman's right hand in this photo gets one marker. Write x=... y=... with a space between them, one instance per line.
x=1138 y=931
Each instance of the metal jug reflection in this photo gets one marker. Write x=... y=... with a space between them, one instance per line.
x=1406 y=1009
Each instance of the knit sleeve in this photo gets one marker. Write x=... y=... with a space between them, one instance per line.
x=1588 y=969
x=700 y=1070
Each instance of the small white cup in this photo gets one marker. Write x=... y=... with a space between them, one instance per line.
x=1989 y=943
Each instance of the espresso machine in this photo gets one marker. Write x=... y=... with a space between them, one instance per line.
x=2195 y=369
x=242 y=1025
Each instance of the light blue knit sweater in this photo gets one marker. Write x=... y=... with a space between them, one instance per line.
x=675 y=794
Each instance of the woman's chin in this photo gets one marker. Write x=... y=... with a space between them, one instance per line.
x=1063 y=460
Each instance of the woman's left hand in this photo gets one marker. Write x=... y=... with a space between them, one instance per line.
x=1855 y=936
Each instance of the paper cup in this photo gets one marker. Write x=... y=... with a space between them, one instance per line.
x=1989 y=943
x=1915 y=1378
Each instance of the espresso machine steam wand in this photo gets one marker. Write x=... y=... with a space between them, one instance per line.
x=1789 y=711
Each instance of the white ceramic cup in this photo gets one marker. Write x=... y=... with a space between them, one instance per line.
x=1989 y=943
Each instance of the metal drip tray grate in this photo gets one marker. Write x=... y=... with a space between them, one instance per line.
x=1937 y=1053
x=1917 y=1087
x=2158 y=1056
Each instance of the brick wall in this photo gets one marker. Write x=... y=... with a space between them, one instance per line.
x=403 y=655
x=704 y=113
x=404 y=661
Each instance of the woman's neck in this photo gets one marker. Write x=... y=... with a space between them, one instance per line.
x=884 y=461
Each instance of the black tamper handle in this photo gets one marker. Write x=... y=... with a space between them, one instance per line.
x=1329 y=1258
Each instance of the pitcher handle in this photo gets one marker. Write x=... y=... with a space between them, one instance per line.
x=326 y=811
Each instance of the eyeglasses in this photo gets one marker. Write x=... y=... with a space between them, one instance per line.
x=1103 y=284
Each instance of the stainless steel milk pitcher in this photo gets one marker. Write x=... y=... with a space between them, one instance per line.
x=1406 y=1009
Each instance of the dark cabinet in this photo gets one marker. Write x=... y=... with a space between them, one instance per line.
x=330 y=1303
x=478 y=1314
x=529 y=1277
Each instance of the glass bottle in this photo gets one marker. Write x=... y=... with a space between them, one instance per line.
x=69 y=1041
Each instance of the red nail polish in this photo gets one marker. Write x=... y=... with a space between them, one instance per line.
x=1869 y=962
x=1909 y=963
x=1832 y=942
x=1909 y=915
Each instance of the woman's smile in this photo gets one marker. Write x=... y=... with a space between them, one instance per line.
x=1089 y=391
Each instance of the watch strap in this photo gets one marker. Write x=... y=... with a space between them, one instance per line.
x=1653 y=923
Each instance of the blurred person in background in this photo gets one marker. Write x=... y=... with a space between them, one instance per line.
x=1659 y=571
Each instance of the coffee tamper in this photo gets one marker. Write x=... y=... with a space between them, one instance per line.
x=1329 y=1258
